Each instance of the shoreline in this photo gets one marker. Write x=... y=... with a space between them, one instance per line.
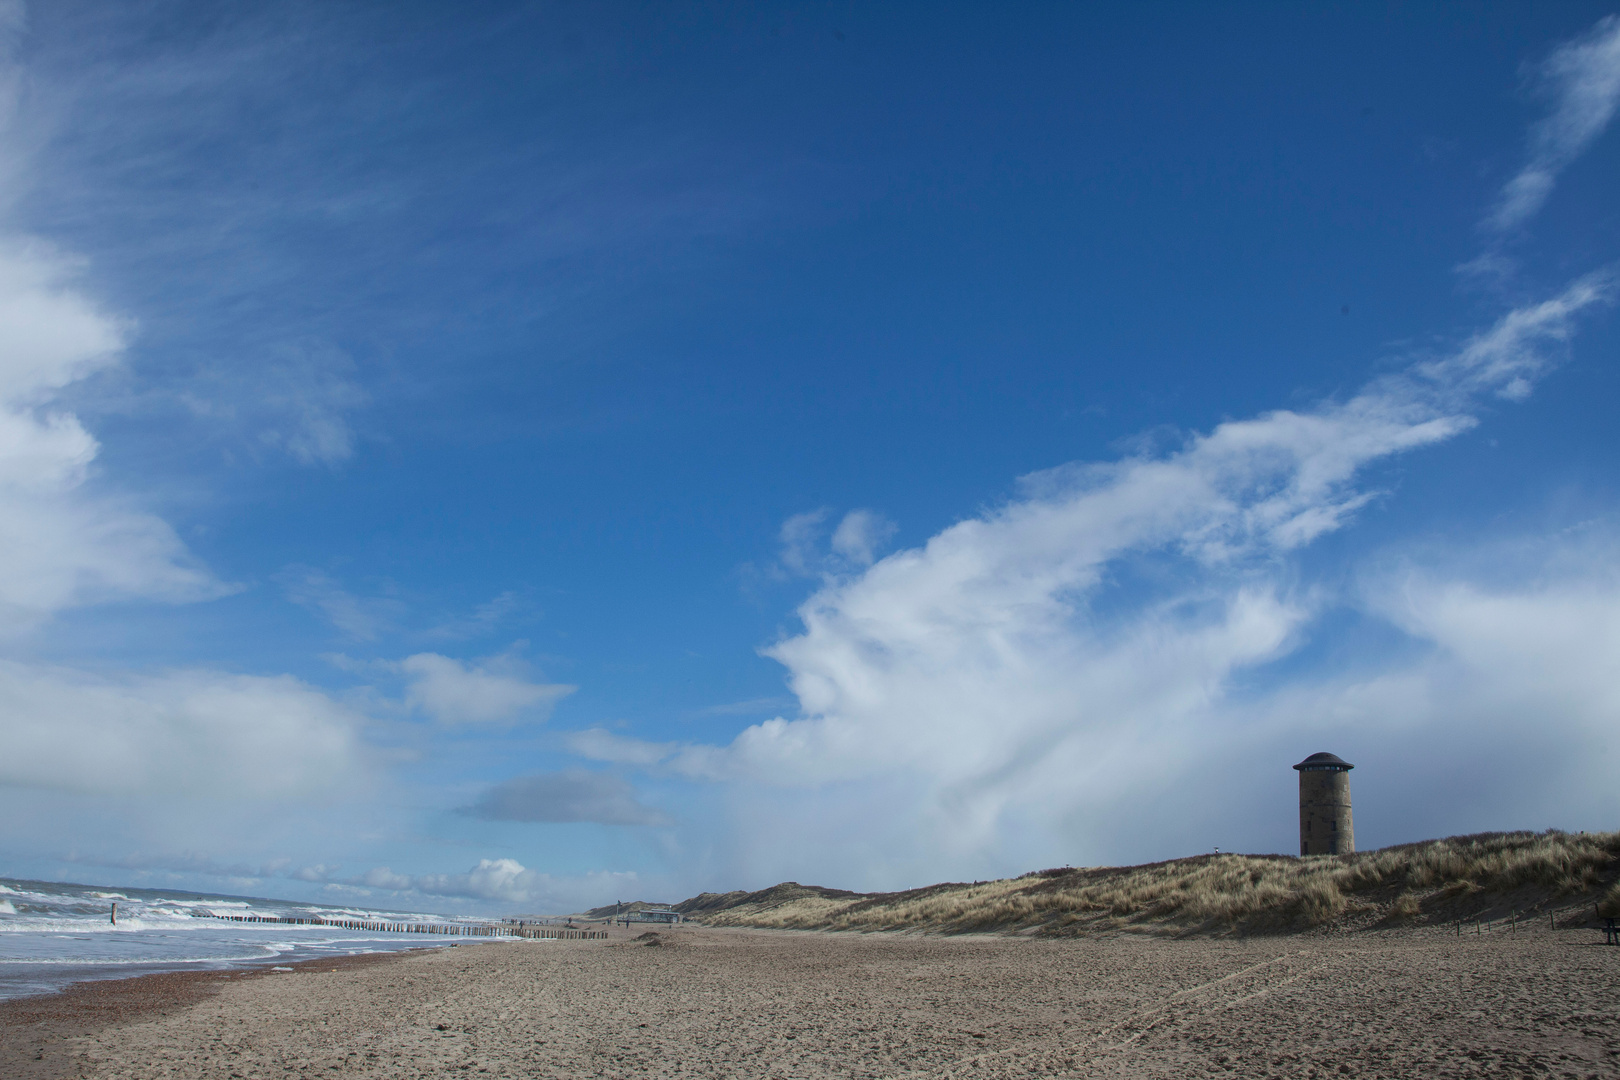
x=32 y=1027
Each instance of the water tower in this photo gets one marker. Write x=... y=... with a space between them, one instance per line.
x=1325 y=827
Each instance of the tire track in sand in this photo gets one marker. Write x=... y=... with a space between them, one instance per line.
x=1080 y=1056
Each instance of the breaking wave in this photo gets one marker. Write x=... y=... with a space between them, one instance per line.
x=52 y=933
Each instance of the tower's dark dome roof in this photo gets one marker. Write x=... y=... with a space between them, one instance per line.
x=1324 y=761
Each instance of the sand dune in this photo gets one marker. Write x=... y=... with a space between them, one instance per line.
x=1490 y=876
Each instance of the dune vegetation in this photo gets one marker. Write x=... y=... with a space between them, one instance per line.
x=1569 y=877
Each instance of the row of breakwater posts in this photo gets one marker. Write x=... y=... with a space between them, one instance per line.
x=450 y=929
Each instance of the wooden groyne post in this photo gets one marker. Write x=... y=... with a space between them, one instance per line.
x=451 y=929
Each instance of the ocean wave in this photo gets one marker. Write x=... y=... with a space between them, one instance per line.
x=53 y=933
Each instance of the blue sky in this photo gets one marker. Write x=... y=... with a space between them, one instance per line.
x=525 y=456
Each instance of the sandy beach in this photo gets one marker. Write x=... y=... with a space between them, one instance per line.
x=729 y=1003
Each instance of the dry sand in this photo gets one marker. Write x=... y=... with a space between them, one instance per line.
x=716 y=1003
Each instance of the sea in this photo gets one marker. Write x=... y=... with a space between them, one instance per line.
x=53 y=934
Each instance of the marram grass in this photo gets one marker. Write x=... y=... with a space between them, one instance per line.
x=1490 y=875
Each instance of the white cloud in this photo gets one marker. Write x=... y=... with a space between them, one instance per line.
x=507 y=881
x=571 y=796
x=296 y=400
x=492 y=879
x=996 y=694
x=599 y=745
x=185 y=733
x=1583 y=77
x=800 y=536
x=860 y=536
x=1507 y=359
x=807 y=551
x=62 y=543
x=492 y=691
x=380 y=877
x=1501 y=711
x=307 y=397
x=1543 y=645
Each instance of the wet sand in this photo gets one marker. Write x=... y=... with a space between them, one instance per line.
x=711 y=1003
x=39 y=1036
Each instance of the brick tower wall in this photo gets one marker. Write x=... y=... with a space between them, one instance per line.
x=1325 y=827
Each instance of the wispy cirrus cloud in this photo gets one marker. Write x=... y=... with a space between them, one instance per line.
x=361 y=618
x=299 y=401
x=483 y=619
x=1582 y=77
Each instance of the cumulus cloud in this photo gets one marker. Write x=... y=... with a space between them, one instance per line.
x=1013 y=685
x=509 y=882
x=572 y=796
x=183 y=733
x=494 y=690
x=1583 y=79
x=63 y=543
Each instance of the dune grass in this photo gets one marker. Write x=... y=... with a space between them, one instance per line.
x=1490 y=875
